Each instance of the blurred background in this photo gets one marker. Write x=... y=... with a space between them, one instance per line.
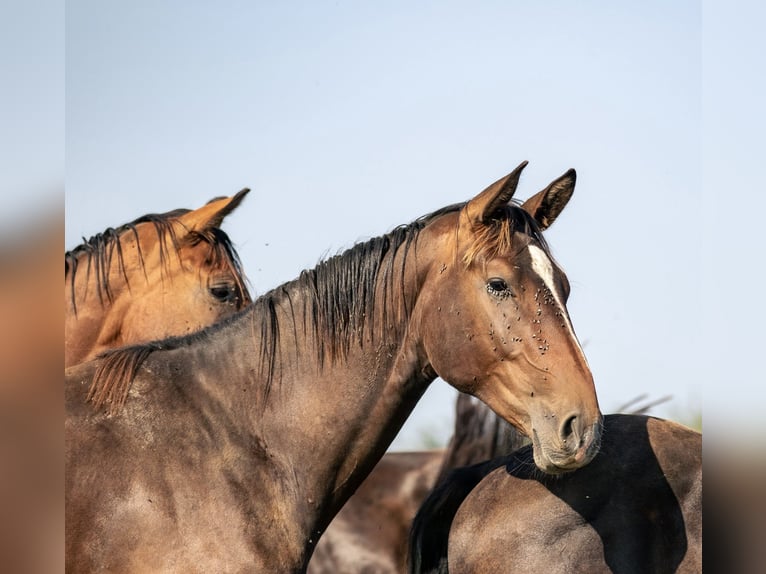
x=347 y=119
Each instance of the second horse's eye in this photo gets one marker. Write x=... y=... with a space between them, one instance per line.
x=223 y=292
x=497 y=287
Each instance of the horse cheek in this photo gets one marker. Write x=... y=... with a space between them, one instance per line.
x=444 y=333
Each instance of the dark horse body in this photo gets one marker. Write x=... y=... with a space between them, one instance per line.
x=636 y=509
x=236 y=446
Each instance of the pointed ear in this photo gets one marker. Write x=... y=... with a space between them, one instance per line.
x=213 y=212
x=481 y=207
x=546 y=205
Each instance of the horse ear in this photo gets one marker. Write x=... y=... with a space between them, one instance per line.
x=481 y=207
x=213 y=212
x=546 y=205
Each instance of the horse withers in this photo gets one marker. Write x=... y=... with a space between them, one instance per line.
x=232 y=449
x=159 y=275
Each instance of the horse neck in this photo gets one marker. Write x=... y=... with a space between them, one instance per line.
x=331 y=419
x=95 y=287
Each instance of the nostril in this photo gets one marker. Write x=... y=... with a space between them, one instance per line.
x=568 y=432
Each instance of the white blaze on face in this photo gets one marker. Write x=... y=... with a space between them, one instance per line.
x=543 y=266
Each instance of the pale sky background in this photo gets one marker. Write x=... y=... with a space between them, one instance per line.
x=349 y=118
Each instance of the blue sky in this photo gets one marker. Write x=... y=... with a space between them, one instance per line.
x=349 y=118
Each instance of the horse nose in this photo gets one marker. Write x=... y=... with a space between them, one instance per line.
x=572 y=432
x=580 y=438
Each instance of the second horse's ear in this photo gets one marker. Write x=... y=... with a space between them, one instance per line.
x=213 y=212
x=546 y=205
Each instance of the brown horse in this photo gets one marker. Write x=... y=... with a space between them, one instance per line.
x=636 y=508
x=369 y=534
x=157 y=276
x=238 y=444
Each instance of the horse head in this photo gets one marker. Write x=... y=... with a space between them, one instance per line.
x=160 y=275
x=498 y=295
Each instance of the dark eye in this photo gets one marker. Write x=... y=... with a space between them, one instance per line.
x=497 y=287
x=223 y=293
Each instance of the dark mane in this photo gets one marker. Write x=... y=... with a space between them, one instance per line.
x=339 y=304
x=99 y=252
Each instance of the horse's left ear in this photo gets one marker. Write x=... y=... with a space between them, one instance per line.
x=213 y=212
x=546 y=205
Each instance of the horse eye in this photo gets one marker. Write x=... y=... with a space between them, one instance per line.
x=223 y=293
x=498 y=287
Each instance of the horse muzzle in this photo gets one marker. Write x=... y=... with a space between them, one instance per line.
x=573 y=449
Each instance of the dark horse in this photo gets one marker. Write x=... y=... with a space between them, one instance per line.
x=233 y=448
x=636 y=509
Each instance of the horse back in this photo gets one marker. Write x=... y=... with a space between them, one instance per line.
x=430 y=530
x=635 y=508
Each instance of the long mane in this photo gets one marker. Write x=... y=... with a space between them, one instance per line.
x=340 y=304
x=100 y=251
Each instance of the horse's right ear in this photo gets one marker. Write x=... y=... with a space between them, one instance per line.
x=481 y=207
x=213 y=212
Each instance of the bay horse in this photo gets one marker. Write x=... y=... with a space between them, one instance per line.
x=370 y=533
x=231 y=449
x=636 y=508
x=159 y=275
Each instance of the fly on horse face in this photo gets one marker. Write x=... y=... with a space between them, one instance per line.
x=232 y=449
x=158 y=276
x=636 y=508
